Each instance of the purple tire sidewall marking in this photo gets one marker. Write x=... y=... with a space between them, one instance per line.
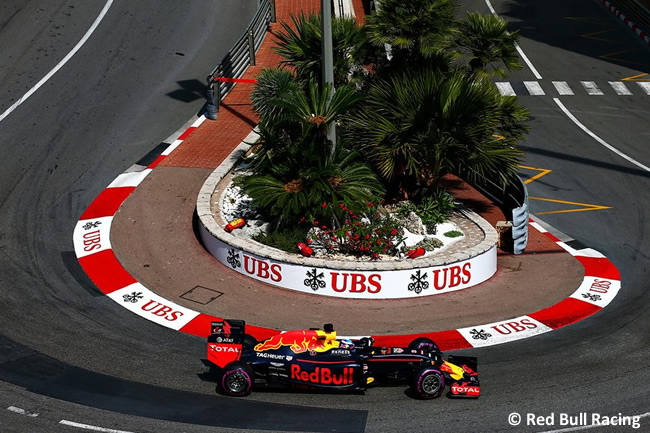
x=422 y=375
x=230 y=372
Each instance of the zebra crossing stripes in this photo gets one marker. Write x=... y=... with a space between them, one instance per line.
x=619 y=88
x=562 y=88
x=506 y=89
x=591 y=88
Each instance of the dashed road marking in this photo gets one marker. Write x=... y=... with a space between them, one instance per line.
x=591 y=88
x=645 y=86
x=20 y=411
x=620 y=88
x=563 y=88
x=506 y=89
x=91 y=427
x=534 y=88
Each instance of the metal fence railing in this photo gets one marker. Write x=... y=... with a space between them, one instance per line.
x=239 y=57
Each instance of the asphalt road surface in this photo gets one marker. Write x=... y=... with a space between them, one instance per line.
x=69 y=354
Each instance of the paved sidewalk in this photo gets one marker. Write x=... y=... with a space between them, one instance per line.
x=154 y=240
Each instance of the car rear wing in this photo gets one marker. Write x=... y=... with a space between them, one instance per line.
x=229 y=331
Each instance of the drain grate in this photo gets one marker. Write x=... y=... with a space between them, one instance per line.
x=201 y=295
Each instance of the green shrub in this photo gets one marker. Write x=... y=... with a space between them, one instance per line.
x=284 y=239
x=453 y=234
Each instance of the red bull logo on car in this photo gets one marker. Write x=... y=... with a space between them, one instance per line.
x=300 y=341
x=323 y=376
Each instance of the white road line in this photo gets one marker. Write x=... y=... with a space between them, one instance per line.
x=21 y=411
x=505 y=88
x=563 y=88
x=91 y=427
x=588 y=427
x=591 y=88
x=645 y=86
x=59 y=65
x=519 y=50
x=620 y=88
x=597 y=138
x=534 y=88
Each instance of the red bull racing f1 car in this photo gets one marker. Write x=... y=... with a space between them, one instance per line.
x=317 y=359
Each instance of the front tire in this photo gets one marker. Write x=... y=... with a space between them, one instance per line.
x=237 y=379
x=428 y=383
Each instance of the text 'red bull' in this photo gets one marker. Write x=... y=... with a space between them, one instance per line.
x=323 y=376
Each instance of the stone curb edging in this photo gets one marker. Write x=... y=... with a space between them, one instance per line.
x=636 y=29
x=92 y=246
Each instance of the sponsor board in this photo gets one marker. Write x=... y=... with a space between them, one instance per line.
x=503 y=331
x=390 y=284
x=145 y=303
x=92 y=236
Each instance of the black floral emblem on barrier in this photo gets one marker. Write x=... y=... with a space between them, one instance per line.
x=419 y=282
x=133 y=297
x=480 y=335
x=314 y=280
x=91 y=225
x=591 y=297
x=233 y=259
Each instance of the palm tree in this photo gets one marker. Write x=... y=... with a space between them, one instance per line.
x=302 y=48
x=419 y=32
x=272 y=84
x=296 y=169
x=487 y=41
x=419 y=126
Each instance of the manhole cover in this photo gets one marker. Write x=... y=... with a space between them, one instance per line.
x=201 y=295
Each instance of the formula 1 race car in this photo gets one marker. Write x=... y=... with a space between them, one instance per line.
x=317 y=359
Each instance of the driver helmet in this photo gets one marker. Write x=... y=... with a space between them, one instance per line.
x=346 y=343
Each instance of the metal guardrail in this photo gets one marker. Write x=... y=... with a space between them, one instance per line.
x=239 y=57
x=513 y=202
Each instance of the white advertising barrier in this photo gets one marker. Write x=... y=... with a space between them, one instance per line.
x=379 y=284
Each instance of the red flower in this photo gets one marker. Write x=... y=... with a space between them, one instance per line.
x=393 y=232
x=324 y=227
x=315 y=223
x=367 y=236
x=324 y=205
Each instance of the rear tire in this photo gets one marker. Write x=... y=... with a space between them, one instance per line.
x=236 y=379
x=428 y=383
x=424 y=344
x=249 y=341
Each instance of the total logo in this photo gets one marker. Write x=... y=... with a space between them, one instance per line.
x=465 y=390
x=323 y=376
x=224 y=349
